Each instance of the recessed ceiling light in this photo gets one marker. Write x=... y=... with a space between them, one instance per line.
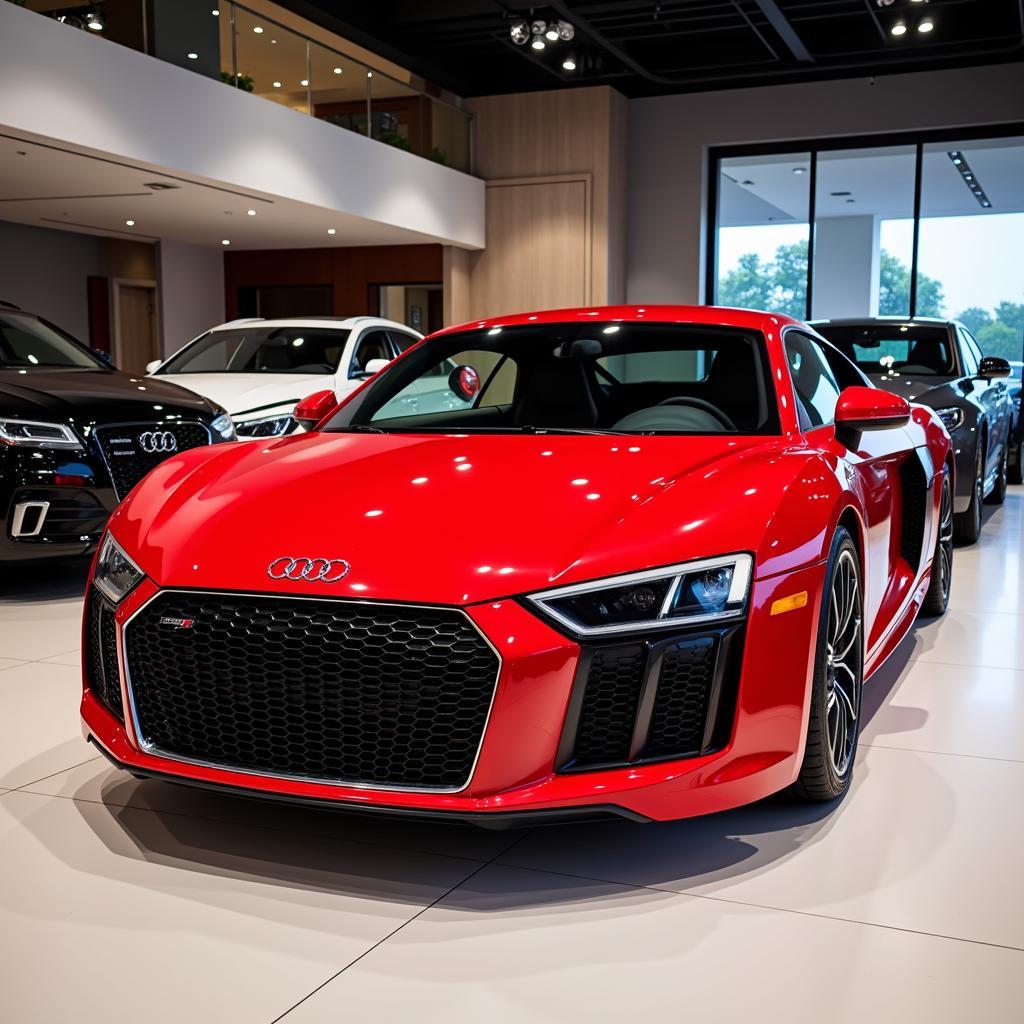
x=192 y=56
x=305 y=81
x=258 y=30
x=369 y=74
x=568 y=64
x=899 y=29
x=277 y=85
x=130 y=223
x=331 y=231
x=252 y=213
x=225 y=241
x=337 y=71
x=272 y=41
x=799 y=170
x=215 y=13
x=926 y=25
x=538 y=43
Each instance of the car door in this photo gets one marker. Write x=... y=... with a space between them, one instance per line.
x=994 y=397
x=875 y=468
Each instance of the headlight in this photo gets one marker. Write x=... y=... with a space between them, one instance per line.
x=225 y=427
x=30 y=434
x=116 y=574
x=690 y=593
x=270 y=426
x=952 y=417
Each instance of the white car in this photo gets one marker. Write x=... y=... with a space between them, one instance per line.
x=258 y=369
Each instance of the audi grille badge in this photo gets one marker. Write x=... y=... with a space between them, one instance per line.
x=158 y=442
x=312 y=570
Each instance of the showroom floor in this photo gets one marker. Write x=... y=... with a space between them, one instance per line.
x=905 y=903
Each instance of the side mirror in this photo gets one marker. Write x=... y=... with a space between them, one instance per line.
x=313 y=408
x=464 y=381
x=861 y=409
x=153 y=365
x=994 y=366
x=375 y=366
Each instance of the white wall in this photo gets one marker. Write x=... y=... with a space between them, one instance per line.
x=44 y=271
x=191 y=282
x=60 y=83
x=669 y=137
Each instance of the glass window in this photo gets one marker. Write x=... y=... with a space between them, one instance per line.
x=372 y=345
x=888 y=348
x=863 y=231
x=761 y=250
x=26 y=342
x=816 y=387
x=623 y=378
x=969 y=353
x=262 y=350
x=972 y=239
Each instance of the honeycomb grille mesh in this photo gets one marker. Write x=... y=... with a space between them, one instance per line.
x=325 y=690
x=101 y=669
x=609 y=708
x=128 y=463
x=681 y=704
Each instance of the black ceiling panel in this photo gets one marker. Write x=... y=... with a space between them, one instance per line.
x=645 y=48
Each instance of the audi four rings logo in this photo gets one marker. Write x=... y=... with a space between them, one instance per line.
x=312 y=570
x=154 y=441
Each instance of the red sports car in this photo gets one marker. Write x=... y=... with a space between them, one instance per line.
x=639 y=562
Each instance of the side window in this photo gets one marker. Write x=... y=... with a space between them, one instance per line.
x=402 y=341
x=817 y=390
x=971 y=353
x=372 y=345
x=844 y=370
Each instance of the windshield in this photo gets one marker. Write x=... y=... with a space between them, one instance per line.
x=262 y=349
x=26 y=341
x=574 y=378
x=900 y=348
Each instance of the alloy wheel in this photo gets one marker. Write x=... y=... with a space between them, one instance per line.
x=843 y=663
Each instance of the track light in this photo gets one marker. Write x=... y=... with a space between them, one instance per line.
x=899 y=29
x=566 y=32
x=569 y=64
x=95 y=22
x=520 y=33
x=538 y=43
x=552 y=33
x=925 y=25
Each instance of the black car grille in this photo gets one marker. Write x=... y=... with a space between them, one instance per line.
x=101 y=668
x=652 y=700
x=126 y=459
x=327 y=690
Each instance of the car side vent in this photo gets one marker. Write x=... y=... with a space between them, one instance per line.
x=914 y=492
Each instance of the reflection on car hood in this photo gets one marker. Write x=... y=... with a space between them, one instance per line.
x=451 y=519
x=242 y=393
x=913 y=389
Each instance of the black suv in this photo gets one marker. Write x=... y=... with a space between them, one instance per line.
x=939 y=363
x=76 y=435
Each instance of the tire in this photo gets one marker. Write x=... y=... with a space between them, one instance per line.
x=936 y=600
x=833 y=720
x=967 y=524
x=1016 y=474
x=998 y=495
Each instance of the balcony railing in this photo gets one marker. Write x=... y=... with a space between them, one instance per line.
x=249 y=51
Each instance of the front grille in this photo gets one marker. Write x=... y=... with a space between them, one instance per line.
x=652 y=700
x=128 y=463
x=335 y=691
x=101 y=668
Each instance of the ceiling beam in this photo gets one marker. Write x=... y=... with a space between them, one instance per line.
x=786 y=32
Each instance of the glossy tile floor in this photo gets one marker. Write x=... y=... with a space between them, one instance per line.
x=904 y=903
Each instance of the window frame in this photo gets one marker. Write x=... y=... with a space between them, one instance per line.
x=798 y=401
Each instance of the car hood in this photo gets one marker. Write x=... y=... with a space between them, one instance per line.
x=915 y=389
x=242 y=393
x=95 y=396
x=447 y=519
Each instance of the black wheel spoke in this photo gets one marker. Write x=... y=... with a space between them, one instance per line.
x=844 y=655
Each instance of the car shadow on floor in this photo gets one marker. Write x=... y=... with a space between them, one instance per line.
x=43 y=581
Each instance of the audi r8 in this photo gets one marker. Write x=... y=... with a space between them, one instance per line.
x=642 y=566
x=76 y=435
x=939 y=363
x=260 y=368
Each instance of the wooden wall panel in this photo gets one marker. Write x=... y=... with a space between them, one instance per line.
x=352 y=271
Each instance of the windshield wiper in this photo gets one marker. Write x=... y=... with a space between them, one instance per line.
x=359 y=428
x=526 y=429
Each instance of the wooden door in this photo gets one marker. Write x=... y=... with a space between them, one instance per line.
x=136 y=334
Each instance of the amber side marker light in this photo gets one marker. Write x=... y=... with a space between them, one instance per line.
x=789 y=604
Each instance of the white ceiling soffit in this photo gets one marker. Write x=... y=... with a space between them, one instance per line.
x=774 y=189
x=52 y=186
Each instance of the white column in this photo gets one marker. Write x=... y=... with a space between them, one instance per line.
x=845 y=267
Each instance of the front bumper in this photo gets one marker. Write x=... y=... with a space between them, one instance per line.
x=519 y=767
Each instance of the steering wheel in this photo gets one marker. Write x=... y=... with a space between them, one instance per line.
x=699 y=403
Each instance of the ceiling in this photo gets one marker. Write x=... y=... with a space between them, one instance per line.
x=643 y=47
x=54 y=186
x=877 y=181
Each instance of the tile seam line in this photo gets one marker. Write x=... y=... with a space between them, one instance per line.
x=944 y=753
x=762 y=906
x=395 y=931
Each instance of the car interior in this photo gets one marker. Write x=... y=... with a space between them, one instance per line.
x=640 y=379
x=896 y=348
x=262 y=350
